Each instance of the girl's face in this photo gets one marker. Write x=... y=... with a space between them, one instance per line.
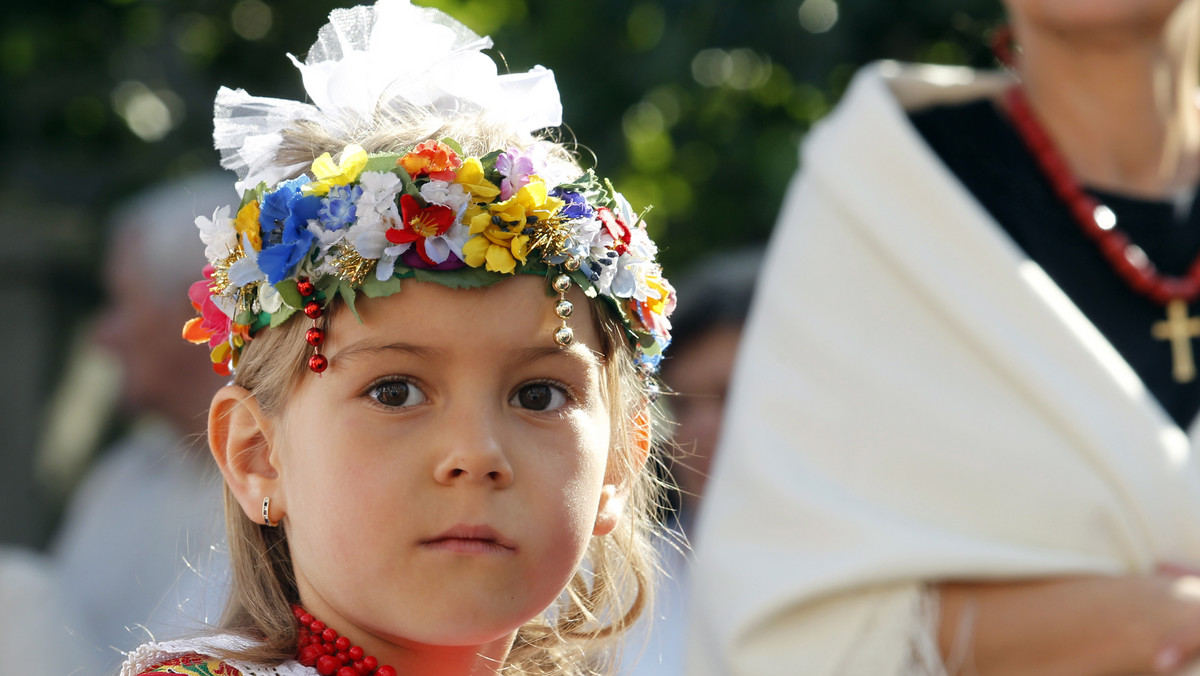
x=441 y=481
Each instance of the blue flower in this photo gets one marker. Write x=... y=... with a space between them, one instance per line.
x=284 y=218
x=576 y=207
x=337 y=210
x=276 y=207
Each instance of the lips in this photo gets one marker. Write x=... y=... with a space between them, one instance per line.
x=466 y=539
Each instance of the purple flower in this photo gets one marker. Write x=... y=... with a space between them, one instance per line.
x=516 y=167
x=576 y=205
x=412 y=259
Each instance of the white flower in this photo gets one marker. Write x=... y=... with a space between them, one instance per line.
x=326 y=239
x=379 y=190
x=245 y=270
x=371 y=243
x=269 y=298
x=439 y=247
x=447 y=194
x=375 y=213
x=385 y=267
x=602 y=269
x=218 y=234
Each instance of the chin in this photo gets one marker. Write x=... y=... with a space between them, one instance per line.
x=464 y=631
x=1092 y=17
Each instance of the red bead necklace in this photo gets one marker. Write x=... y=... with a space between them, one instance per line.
x=1126 y=258
x=323 y=649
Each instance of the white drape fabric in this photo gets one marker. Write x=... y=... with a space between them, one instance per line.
x=915 y=400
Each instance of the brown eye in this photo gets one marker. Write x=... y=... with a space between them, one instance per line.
x=539 y=397
x=396 y=394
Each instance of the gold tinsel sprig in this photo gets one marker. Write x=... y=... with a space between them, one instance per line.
x=350 y=266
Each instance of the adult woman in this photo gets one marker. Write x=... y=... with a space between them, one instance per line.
x=981 y=460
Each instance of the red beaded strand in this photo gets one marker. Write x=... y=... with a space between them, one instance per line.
x=315 y=336
x=323 y=649
x=1129 y=261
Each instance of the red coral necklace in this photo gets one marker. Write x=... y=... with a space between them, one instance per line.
x=1126 y=258
x=320 y=647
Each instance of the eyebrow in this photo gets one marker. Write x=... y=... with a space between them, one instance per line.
x=554 y=351
x=356 y=351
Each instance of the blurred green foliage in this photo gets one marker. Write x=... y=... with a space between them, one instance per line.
x=695 y=106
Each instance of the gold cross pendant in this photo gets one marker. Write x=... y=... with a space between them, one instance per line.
x=1179 y=328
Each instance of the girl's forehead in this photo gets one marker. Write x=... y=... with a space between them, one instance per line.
x=513 y=314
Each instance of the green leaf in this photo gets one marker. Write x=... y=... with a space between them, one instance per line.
x=462 y=278
x=291 y=296
x=453 y=145
x=589 y=289
x=383 y=162
x=347 y=293
x=488 y=162
x=410 y=186
x=373 y=288
x=253 y=194
x=281 y=315
x=592 y=189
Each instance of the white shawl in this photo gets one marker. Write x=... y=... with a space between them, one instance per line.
x=915 y=400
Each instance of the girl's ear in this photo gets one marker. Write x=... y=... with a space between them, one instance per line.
x=239 y=436
x=619 y=478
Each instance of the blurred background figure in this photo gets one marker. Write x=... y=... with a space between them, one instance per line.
x=139 y=547
x=706 y=330
x=962 y=435
x=35 y=612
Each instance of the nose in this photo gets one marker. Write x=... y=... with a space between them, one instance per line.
x=474 y=455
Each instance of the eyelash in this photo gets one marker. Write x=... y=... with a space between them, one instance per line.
x=567 y=392
x=411 y=383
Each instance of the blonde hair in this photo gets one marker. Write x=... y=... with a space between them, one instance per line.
x=578 y=635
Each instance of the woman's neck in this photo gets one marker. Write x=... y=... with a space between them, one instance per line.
x=1122 y=112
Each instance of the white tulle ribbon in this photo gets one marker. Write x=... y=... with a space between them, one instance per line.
x=391 y=54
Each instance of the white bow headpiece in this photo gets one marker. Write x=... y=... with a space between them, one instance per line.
x=367 y=57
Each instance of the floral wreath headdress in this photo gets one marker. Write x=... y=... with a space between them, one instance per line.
x=366 y=222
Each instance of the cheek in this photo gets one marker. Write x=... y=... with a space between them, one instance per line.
x=575 y=479
x=337 y=488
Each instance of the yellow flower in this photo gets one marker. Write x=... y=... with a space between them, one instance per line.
x=502 y=231
x=328 y=175
x=496 y=248
x=246 y=224
x=470 y=177
x=660 y=305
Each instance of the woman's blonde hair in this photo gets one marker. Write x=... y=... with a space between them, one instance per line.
x=608 y=593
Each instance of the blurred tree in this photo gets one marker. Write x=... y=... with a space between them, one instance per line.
x=694 y=106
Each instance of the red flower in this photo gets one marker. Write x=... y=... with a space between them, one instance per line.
x=420 y=223
x=620 y=232
x=431 y=158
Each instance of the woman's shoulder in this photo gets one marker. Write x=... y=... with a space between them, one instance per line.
x=192 y=664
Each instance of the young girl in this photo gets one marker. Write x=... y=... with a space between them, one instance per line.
x=443 y=335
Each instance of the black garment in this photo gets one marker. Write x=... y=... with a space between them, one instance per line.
x=981 y=147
